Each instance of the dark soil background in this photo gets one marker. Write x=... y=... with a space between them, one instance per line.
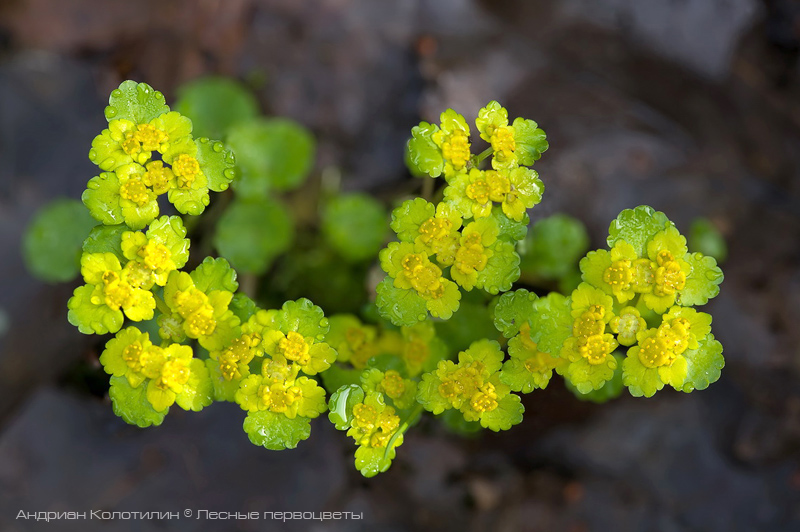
x=691 y=106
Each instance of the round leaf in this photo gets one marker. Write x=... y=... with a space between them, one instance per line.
x=252 y=233
x=270 y=153
x=215 y=104
x=355 y=226
x=137 y=102
x=276 y=431
x=554 y=246
x=341 y=405
x=52 y=242
x=131 y=404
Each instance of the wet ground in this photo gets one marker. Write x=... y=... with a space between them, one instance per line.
x=691 y=106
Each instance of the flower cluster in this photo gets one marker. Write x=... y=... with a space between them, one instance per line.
x=381 y=366
x=165 y=375
x=416 y=348
x=119 y=279
x=639 y=294
x=373 y=424
x=468 y=240
x=267 y=370
x=148 y=151
x=132 y=266
x=473 y=387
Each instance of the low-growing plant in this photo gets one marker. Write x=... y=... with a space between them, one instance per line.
x=441 y=330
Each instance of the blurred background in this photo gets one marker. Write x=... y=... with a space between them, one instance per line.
x=691 y=106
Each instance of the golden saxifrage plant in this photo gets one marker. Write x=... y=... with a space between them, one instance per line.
x=187 y=338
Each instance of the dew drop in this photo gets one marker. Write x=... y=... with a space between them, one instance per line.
x=110 y=112
x=116 y=93
x=229 y=173
x=421 y=317
x=218 y=147
x=92 y=155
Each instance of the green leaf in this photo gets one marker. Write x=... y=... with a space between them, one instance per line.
x=373 y=460
x=570 y=281
x=51 y=244
x=198 y=393
x=455 y=422
x=106 y=239
x=214 y=274
x=276 y=431
x=703 y=282
x=517 y=377
x=101 y=197
x=428 y=394
x=501 y=270
x=131 y=404
x=704 y=364
x=385 y=362
x=242 y=306
x=593 y=267
x=445 y=306
x=336 y=285
x=636 y=227
x=490 y=117
x=137 y=102
x=407 y=218
x=223 y=389
x=337 y=376
x=531 y=141
x=270 y=153
x=89 y=317
x=588 y=377
x=471 y=322
x=551 y=322
x=341 y=405
x=554 y=246
x=610 y=390
x=399 y=306
x=510 y=230
x=513 y=310
x=705 y=238
x=640 y=380
x=423 y=155
x=507 y=414
x=170 y=232
x=217 y=163
x=214 y=104
x=303 y=317
x=355 y=226
x=252 y=233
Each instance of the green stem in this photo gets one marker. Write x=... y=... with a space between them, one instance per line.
x=248 y=284
x=427 y=188
x=162 y=306
x=478 y=159
x=403 y=428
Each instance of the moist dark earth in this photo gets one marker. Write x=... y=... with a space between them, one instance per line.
x=691 y=106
